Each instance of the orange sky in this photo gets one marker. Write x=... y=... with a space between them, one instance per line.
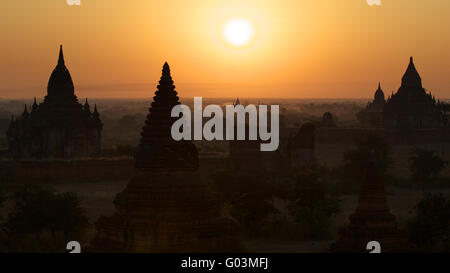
x=301 y=49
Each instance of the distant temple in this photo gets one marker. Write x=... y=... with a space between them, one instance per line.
x=328 y=120
x=244 y=154
x=372 y=220
x=373 y=114
x=301 y=147
x=411 y=107
x=165 y=207
x=59 y=127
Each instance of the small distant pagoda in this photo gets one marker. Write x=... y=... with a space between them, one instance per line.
x=245 y=154
x=372 y=220
x=59 y=127
x=165 y=207
x=301 y=147
x=372 y=115
x=328 y=120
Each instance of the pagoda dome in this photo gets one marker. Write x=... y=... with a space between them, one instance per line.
x=379 y=94
x=60 y=83
x=411 y=78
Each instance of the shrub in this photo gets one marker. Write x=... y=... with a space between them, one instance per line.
x=429 y=228
x=425 y=167
x=39 y=211
x=313 y=205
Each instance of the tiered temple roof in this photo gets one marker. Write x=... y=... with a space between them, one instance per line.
x=157 y=149
x=165 y=207
x=372 y=220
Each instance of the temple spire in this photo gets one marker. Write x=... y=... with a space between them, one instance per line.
x=86 y=106
x=96 y=118
x=166 y=69
x=60 y=86
x=34 y=107
x=61 y=56
x=411 y=78
x=372 y=219
x=166 y=82
x=157 y=149
x=25 y=113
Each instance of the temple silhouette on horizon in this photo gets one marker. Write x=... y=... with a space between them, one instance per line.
x=372 y=219
x=59 y=127
x=165 y=207
x=412 y=107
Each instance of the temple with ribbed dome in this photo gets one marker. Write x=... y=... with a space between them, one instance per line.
x=166 y=207
x=412 y=107
x=59 y=127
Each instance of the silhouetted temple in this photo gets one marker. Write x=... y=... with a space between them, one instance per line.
x=411 y=107
x=59 y=127
x=244 y=154
x=372 y=220
x=165 y=207
x=301 y=146
x=373 y=114
x=328 y=120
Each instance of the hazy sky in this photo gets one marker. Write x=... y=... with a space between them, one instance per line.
x=301 y=48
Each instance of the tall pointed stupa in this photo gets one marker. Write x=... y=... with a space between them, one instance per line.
x=165 y=207
x=372 y=115
x=379 y=100
x=157 y=149
x=372 y=220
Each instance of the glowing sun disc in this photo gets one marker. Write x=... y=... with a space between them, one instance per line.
x=238 y=32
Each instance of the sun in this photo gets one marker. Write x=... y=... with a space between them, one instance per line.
x=238 y=32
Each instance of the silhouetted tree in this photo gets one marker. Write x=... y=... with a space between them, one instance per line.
x=356 y=161
x=430 y=227
x=312 y=204
x=130 y=122
x=425 y=166
x=37 y=210
x=249 y=196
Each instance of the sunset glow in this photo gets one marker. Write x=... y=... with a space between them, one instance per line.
x=288 y=49
x=238 y=32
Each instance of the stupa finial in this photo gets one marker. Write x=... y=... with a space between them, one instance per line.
x=61 y=56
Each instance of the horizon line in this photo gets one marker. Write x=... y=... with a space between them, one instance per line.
x=191 y=97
